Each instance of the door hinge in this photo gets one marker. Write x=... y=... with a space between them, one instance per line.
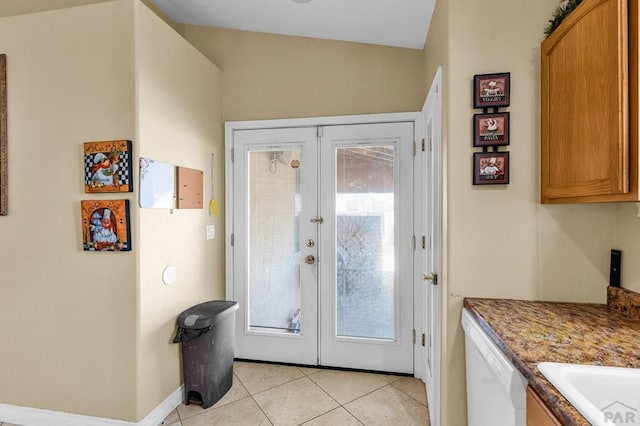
x=424 y=339
x=414 y=336
x=232 y=239
x=422 y=144
x=320 y=132
x=414 y=148
x=232 y=154
x=414 y=242
x=424 y=242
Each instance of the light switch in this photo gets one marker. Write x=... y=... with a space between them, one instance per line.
x=211 y=232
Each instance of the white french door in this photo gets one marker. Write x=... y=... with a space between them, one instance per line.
x=322 y=245
x=275 y=198
x=366 y=293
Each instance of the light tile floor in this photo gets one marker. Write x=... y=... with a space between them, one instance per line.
x=269 y=394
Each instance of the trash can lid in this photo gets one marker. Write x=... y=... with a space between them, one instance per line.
x=205 y=315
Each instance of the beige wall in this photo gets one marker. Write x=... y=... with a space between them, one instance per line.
x=179 y=112
x=500 y=241
x=627 y=239
x=19 y=7
x=269 y=76
x=90 y=333
x=67 y=316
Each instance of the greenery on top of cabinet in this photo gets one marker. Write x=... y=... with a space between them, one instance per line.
x=558 y=16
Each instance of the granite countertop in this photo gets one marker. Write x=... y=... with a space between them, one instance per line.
x=530 y=332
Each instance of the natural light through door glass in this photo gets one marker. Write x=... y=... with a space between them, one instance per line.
x=274 y=203
x=365 y=252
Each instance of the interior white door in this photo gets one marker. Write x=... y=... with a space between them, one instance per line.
x=366 y=246
x=432 y=251
x=274 y=269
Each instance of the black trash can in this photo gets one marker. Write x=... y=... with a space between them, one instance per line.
x=206 y=332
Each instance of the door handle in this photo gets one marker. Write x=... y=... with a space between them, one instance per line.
x=310 y=259
x=431 y=277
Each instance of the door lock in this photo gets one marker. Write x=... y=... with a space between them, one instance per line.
x=310 y=259
x=317 y=220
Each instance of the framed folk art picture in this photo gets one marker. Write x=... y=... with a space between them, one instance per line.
x=107 y=166
x=491 y=90
x=491 y=129
x=490 y=168
x=105 y=225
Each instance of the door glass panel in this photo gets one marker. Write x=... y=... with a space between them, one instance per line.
x=274 y=204
x=365 y=252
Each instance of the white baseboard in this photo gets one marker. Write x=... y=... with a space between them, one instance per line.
x=159 y=413
x=38 y=417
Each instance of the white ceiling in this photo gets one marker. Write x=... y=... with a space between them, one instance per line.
x=399 y=23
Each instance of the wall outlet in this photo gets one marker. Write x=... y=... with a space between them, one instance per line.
x=211 y=232
x=614 y=268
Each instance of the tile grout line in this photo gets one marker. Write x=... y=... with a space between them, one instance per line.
x=415 y=399
x=261 y=410
x=304 y=376
x=339 y=404
x=177 y=412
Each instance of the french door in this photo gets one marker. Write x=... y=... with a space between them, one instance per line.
x=323 y=246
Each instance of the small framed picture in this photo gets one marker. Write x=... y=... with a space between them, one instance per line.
x=105 y=225
x=490 y=168
x=491 y=90
x=107 y=166
x=491 y=129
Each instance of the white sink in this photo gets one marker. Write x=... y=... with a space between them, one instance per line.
x=605 y=396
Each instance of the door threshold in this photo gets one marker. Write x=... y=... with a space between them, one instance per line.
x=324 y=367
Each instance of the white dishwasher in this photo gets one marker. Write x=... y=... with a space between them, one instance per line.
x=496 y=391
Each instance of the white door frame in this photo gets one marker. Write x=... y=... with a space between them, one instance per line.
x=415 y=117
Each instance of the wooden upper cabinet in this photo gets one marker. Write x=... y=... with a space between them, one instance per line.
x=587 y=92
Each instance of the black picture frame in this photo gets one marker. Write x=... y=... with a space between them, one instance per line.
x=492 y=90
x=491 y=129
x=491 y=168
x=4 y=163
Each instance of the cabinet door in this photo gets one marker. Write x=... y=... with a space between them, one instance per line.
x=585 y=104
x=537 y=412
